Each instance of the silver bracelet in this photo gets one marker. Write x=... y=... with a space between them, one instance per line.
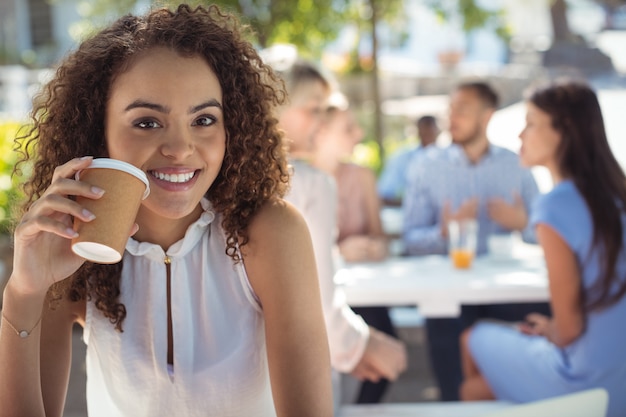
x=21 y=333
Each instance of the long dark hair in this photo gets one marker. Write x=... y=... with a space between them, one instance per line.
x=585 y=157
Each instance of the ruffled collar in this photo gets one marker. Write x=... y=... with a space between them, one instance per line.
x=182 y=247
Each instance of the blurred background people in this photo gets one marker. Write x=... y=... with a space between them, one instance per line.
x=360 y=233
x=470 y=179
x=392 y=180
x=581 y=226
x=355 y=347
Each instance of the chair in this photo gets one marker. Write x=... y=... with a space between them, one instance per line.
x=589 y=403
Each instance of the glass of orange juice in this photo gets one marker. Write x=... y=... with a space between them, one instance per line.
x=462 y=246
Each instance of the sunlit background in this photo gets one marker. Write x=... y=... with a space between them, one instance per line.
x=395 y=59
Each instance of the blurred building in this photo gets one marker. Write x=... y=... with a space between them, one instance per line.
x=33 y=35
x=425 y=60
x=36 y=32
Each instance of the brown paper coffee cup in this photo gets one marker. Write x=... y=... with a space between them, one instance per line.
x=103 y=239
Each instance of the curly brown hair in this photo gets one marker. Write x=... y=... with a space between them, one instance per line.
x=68 y=122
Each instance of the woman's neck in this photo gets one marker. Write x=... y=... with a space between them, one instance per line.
x=163 y=231
x=326 y=161
x=300 y=154
x=555 y=173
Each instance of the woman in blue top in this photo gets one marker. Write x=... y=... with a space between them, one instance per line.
x=581 y=227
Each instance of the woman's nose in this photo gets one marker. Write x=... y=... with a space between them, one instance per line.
x=178 y=145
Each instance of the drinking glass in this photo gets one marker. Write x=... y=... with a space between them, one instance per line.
x=462 y=244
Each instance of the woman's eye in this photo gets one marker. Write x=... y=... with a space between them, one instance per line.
x=204 y=121
x=147 y=124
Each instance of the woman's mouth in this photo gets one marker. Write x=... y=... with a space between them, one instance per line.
x=180 y=178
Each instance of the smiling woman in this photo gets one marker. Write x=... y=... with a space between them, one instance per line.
x=181 y=96
x=161 y=119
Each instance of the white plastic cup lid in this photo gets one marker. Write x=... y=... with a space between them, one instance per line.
x=97 y=252
x=120 y=166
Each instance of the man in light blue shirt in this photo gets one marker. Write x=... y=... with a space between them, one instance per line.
x=471 y=178
x=392 y=180
x=447 y=184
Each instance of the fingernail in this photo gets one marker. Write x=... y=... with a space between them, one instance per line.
x=97 y=190
x=85 y=157
x=88 y=215
x=71 y=232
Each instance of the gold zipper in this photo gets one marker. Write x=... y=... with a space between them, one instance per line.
x=167 y=261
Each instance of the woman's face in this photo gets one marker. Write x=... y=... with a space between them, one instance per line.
x=540 y=140
x=300 y=118
x=164 y=115
x=341 y=133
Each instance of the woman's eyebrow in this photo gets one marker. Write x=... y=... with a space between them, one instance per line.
x=147 y=105
x=165 y=109
x=210 y=103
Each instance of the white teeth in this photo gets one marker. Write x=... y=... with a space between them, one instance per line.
x=177 y=178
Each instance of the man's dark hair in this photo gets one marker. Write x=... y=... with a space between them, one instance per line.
x=426 y=121
x=485 y=92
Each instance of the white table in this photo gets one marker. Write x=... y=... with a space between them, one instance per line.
x=439 y=290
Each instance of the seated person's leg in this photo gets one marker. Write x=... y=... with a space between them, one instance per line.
x=474 y=386
x=514 y=312
x=443 y=348
x=377 y=317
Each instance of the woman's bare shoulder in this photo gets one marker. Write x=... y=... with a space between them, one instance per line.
x=278 y=217
x=279 y=247
x=276 y=232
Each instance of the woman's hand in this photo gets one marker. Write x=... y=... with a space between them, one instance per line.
x=42 y=252
x=363 y=248
x=535 y=324
x=509 y=216
x=384 y=357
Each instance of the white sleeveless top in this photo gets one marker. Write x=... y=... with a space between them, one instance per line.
x=220 y=362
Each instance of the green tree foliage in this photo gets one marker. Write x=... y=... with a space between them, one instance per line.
x=308 y=24
x=313 y=24
x=472 y=15
x=8 y=186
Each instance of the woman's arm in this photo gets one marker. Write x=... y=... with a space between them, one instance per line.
x=379 y=242
x=314 y=194
x=19 y=357
x=34 y=369
x=372 y=201
x=567 y=322
x=371 y=245
x=281 y=267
